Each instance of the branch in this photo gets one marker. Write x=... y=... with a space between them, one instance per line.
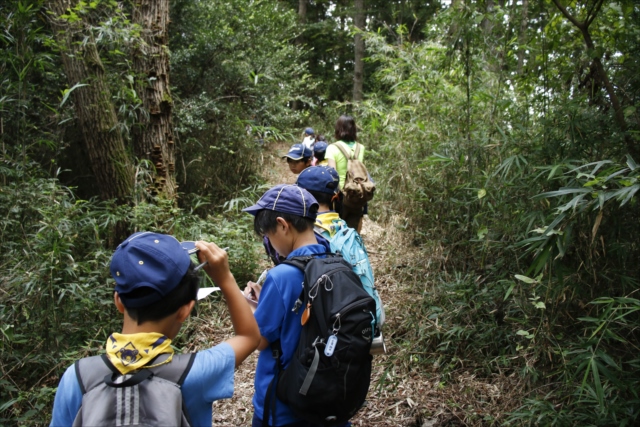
x=564 y=11
x=596 y=10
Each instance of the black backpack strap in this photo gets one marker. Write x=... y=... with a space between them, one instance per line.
x=76 y=366
x=298 y=261
x=136 y=378
x=191 y=359
x=270 y=398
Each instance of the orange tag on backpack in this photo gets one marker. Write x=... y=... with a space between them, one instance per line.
x=305 y=314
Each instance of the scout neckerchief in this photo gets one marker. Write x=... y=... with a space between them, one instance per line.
x=325 y=220
x=133 y=351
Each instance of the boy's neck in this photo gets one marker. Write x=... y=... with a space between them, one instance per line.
x=324 y=208
x=305 y=238
x=164 y=326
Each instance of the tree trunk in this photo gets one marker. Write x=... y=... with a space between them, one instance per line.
x=95 y=113
x=358 y=70
x=583 y=26
x=153 y=139
x=302 y=20
x=522 y=36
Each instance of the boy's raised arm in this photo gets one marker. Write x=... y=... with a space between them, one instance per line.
x=247 y=334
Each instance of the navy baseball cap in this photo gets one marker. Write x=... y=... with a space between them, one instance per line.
x=299 y=152
x=320 y=147
x=149 y=260
x=323 y=179
x=309 y=131
x=286 y=198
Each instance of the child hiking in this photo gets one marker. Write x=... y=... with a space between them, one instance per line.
x=309 y=138
x=285 y=214
x=298 y=158
x=156 y=289
x=319 y=151
x=322 y=183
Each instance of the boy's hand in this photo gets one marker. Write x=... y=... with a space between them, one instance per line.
x=217 y=266
x=252 y=291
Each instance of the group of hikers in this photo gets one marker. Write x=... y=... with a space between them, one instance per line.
x=317 y=152
x=315 y=316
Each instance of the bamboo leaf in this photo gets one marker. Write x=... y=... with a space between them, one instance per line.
x=67 y=92
x=525 y=279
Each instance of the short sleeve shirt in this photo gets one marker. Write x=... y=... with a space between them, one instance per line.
x=210 y=379
x=333 y=152
x=277 y=321
x=309 y=141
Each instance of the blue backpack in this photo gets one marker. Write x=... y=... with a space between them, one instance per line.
x=348 y=243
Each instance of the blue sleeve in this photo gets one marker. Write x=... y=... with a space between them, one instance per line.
x=210 y=379
x=270 y=311
x=67 y=401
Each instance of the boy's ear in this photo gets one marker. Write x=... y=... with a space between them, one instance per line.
x=118 y=302
x=282 y=222
x=185 y=310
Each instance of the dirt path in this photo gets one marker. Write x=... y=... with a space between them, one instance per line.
x=400 y=394
x=394 y=396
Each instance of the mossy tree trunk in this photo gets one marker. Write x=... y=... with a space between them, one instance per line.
x=153 y=139
x=95 y=112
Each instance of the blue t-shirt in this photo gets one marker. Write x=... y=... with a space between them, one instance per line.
x=210 y=378
x=276 y=321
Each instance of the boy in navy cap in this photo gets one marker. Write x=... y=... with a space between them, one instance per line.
x=156 y=289
x=285 y=214
x=319 y=151
x=322 y=182
x=299 y=158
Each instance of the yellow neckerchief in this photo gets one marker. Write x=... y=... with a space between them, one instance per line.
x=133 y=351
x=325 y=221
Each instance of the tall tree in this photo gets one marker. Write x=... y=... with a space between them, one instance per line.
x=583 y=26
x=358 y=69
x=522 y=34
x=302 y=21
x=92 y=102
x=153 y=139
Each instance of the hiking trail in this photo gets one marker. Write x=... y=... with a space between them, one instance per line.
x=400 y=393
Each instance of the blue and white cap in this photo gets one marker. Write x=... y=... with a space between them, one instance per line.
x=286 y=198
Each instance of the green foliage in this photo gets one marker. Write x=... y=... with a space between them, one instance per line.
x=229 y=62
x=56 y=303
x=504 y=169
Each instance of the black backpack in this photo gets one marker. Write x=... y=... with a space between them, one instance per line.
x=328 y=378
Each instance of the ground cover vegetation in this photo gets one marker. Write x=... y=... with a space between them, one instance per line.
x=510 y=156
x=513 y=130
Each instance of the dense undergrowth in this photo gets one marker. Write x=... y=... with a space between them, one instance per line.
x=56 y=300
x=533 y=202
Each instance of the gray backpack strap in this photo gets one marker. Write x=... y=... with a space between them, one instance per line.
x=90 y=372
x=177 y=370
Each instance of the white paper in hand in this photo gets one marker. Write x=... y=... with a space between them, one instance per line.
x=204 y=292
